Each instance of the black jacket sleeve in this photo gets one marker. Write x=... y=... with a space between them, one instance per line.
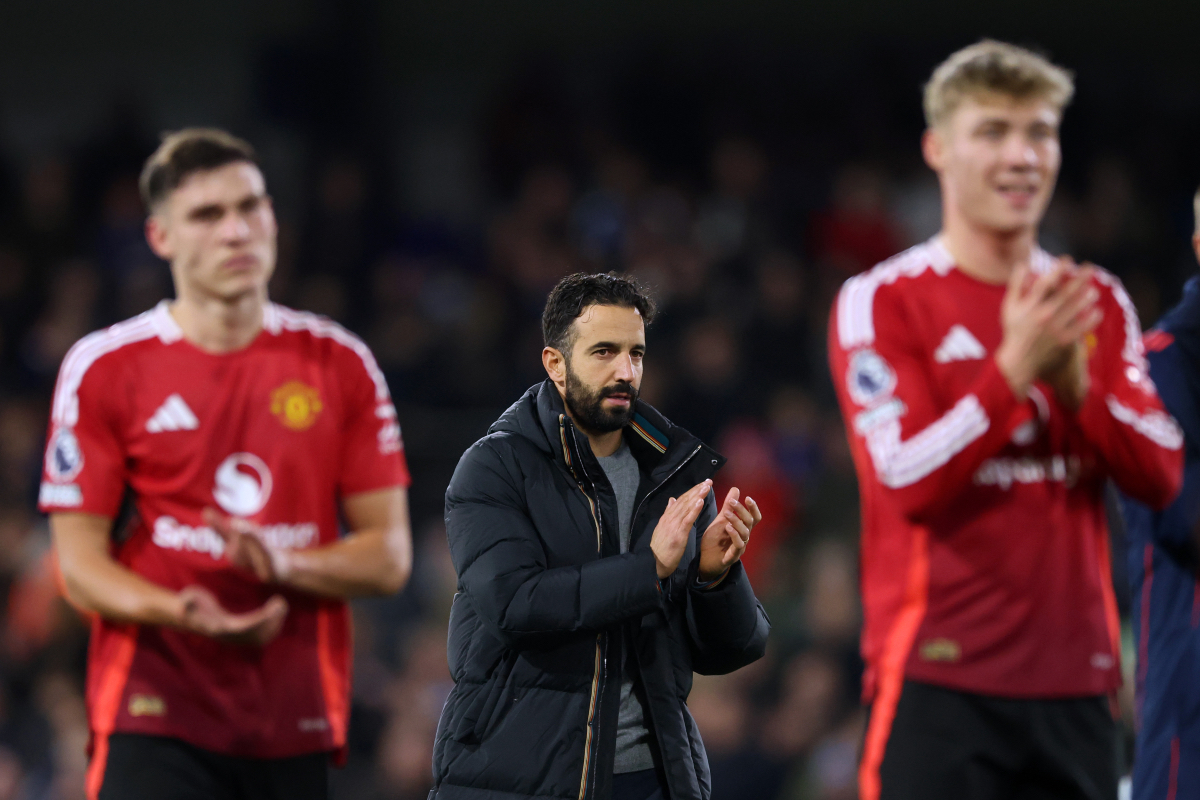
x=726 y=624
x=501 y=562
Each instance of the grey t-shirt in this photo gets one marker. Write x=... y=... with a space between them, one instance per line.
x=633 y=738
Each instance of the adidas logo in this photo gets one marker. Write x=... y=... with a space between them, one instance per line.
x=173 y=415
x=959 y=345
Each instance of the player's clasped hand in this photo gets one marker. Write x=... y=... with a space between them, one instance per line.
x=670 y=536
x=203 y=614
x=245 y=547
x=726 y=538
x=1045 y=318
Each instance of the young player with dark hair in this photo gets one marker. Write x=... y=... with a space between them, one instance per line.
x=989 y=392
x=241 y=431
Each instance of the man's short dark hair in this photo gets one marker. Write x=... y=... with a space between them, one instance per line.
x=185 y=152
x=576 y=292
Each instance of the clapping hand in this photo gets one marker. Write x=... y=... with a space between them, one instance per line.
x=246 y=547
x=1045 y=319
x=203 y=614
x=726 y=538
x=670 y=537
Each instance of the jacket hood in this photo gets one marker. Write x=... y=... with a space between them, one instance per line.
x=524 y=419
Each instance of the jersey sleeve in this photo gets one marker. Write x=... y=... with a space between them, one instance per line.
x=84 y=467
x=372 y=454
x=1123 y=416
x=918 y=447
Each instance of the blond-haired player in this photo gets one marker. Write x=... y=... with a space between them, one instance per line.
x=990 y=391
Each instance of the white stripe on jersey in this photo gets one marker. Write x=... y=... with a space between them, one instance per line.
x=157 y=322
x=284 y=318
x=856 y=301
x=89 y=349
x=899 y=464
x=1132 y=350
x=1160 y=428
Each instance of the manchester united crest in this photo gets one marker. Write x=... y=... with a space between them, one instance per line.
x=296 y=405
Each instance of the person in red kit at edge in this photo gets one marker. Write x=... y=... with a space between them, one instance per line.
x=219 y=664
x=989 y=392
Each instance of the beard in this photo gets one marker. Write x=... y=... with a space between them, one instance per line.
x=587 y=406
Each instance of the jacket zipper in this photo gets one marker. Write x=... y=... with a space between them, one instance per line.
x=638 y=510
x=599 y=662
x=664 y=481
x=594 y=702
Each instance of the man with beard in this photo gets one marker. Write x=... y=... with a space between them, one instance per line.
x=595 y=574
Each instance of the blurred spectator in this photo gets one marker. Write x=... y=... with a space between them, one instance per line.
x=810 y=698
x=710 y=388
x=753 y=468
x=70 y=312
x=725 y=714
x=1109 y=226
x=727 y=224
x=529 y=243
x=48 y=230
x=417 y=695
x=21 y=423
x=601 y=217
x=831 y=610
x=855 y=232
x=779 y=330
x=338 y=232
x=794 y=424
x=121 y=240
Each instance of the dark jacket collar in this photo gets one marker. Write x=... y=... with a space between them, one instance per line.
x=540 y=416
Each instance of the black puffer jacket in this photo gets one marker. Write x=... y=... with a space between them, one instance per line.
x=543 y=593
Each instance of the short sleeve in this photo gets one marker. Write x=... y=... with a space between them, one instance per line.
x=372 y=447
x=84 y=467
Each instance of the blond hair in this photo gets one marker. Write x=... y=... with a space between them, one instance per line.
x=994 y=68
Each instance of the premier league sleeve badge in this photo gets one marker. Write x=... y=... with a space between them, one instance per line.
x=869 y=378
x=64 y=458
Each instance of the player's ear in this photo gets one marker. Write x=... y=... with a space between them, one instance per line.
x=931 y=148
x=556 y=365
x=1196 y=244
x=156 y=237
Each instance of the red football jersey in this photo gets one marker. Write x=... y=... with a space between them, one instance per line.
x=275 y=433
x=984 y=556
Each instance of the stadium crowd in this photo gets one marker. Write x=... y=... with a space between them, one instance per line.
x=743 y=245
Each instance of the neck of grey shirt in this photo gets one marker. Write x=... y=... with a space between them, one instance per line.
x=633 y=737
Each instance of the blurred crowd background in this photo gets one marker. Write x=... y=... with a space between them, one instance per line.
x=436 y=170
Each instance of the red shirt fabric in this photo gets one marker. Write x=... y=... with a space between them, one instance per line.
x=984 y=555
x=275 y=433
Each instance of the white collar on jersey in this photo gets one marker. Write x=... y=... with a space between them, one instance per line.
x=941 y=260
x=168 y=329
x=165 y=326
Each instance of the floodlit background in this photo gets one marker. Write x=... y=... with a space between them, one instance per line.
x=437 y=166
